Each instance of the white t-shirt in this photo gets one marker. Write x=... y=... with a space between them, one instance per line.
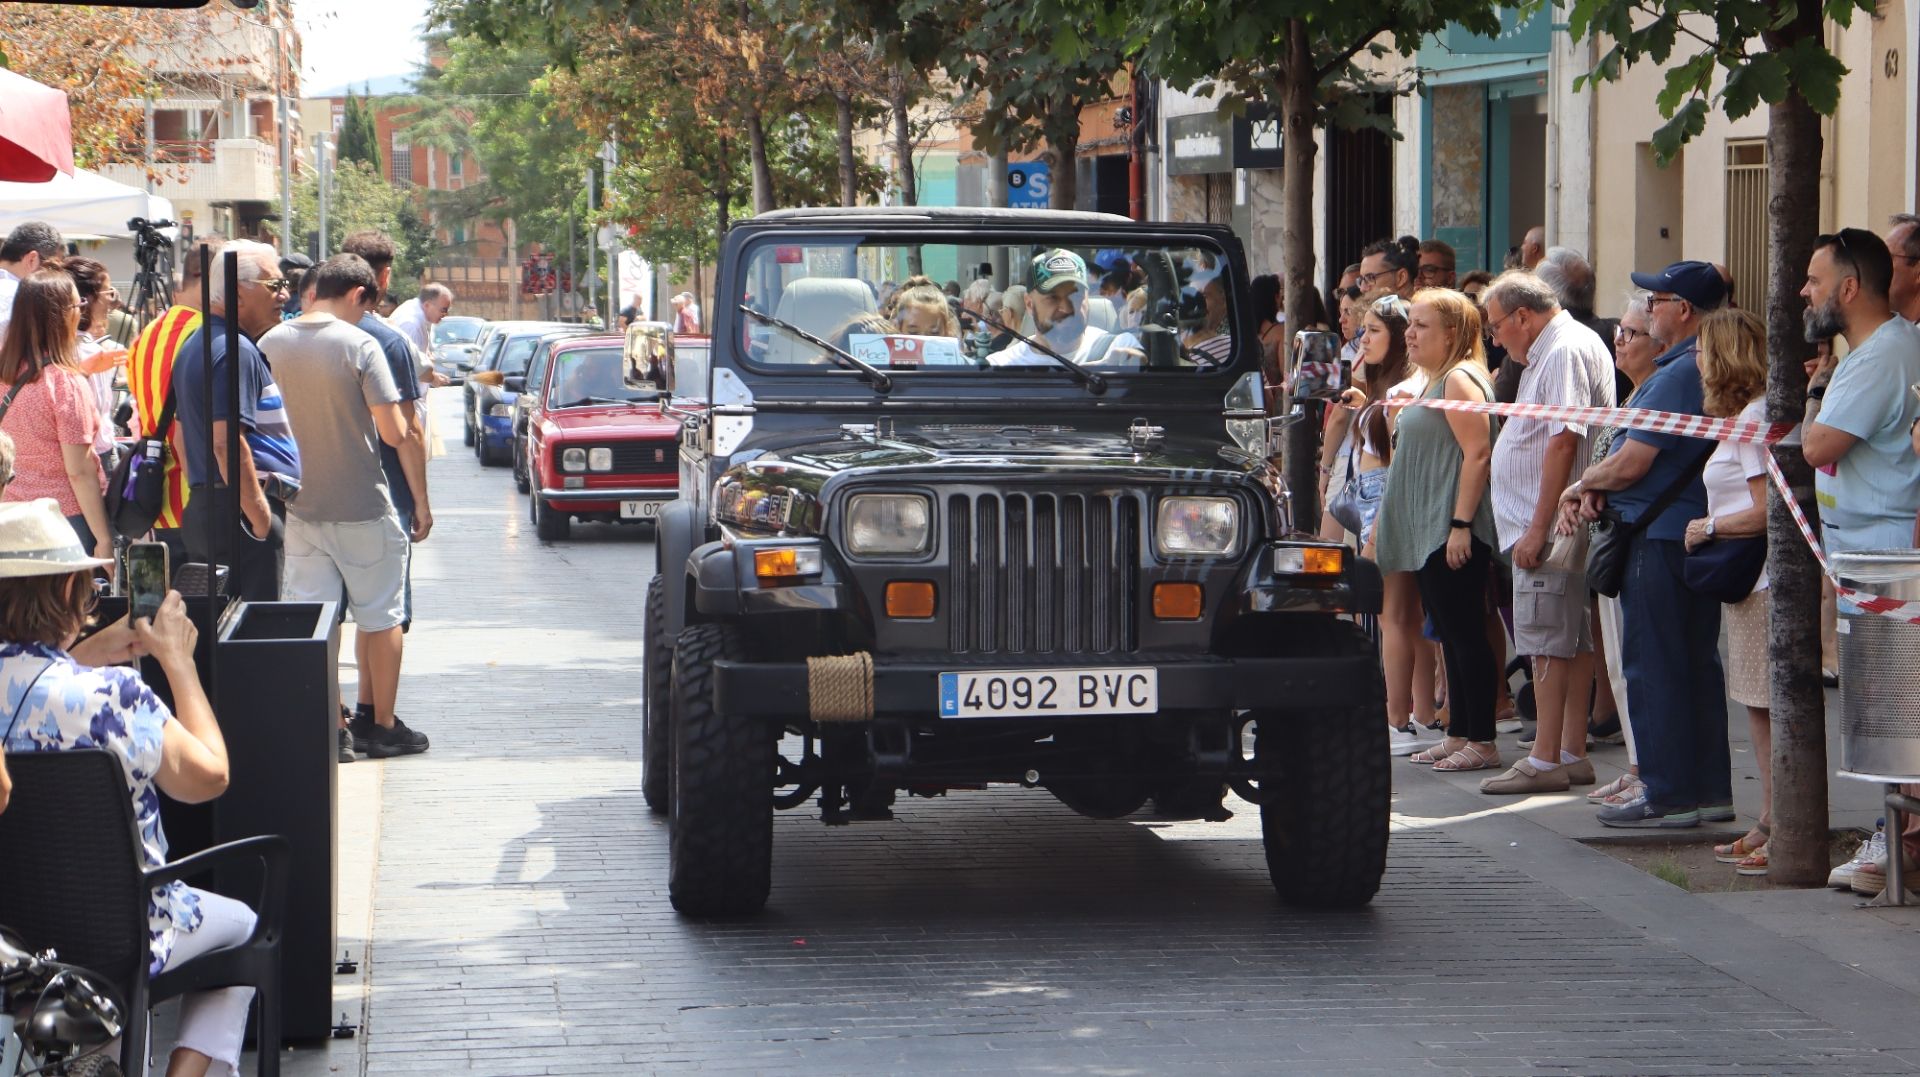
x=1729 y=468
x=410 y=321
x=1125 y=351
x=9 y=285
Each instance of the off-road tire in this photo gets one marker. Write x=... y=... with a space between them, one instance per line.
x=720 y=853
x=95 y=1065
x=656 y=725
x=548 y=525
x=1326 y=791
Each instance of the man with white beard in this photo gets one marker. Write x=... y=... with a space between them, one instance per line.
x=1058 y=301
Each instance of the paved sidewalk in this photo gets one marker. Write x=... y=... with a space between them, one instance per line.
x=519 y=922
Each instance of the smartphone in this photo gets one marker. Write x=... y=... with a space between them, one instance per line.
x=147 y=578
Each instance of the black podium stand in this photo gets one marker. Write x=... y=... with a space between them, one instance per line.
x=278 y=706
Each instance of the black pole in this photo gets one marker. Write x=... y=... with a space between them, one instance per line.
x=210 y=615
x=230 y=523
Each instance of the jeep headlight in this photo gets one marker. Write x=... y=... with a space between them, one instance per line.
x=600 y=459
x=1196 y=526
x=573 y=459
x=888 y=524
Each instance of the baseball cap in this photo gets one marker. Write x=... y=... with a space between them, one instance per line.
x=1056 y=267
x=1696 y=282
x=1109 y=259
x=296 y=260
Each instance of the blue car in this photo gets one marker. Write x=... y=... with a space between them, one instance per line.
x=498 y=379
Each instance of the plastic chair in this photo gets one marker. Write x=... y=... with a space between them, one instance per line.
x=73 y=882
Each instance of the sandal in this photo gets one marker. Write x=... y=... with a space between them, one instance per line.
x=1469 y=758
x=1432 y=755
x=1754 y=863
x=1625 y=783
x=1745 y=846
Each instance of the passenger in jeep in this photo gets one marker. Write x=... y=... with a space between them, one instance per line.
x=1057 y=299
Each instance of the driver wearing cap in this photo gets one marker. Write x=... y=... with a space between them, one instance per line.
x=1057 y=299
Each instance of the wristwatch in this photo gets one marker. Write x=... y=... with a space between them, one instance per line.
x=1458 y=523
x=1709 y=527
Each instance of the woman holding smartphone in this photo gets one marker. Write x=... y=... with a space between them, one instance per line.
x=1436 y=518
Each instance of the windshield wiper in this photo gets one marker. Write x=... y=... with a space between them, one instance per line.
x=1095 y=383
x=879 y=379
x=600 y=400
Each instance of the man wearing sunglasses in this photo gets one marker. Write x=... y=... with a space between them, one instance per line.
x=268 y=456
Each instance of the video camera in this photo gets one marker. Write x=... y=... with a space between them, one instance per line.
x=147 y=233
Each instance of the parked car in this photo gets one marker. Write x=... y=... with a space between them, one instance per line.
x=492 y=337
x=501 y=377
x=650 y=340
x=907 y=563
x=599 y=447
x=456 y=344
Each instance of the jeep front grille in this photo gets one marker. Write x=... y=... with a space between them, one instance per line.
x=1042 y=572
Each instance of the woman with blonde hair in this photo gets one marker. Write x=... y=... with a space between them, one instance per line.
x=1436 y=517
x=924 y=312
x=1733 y=376
x=51 y=416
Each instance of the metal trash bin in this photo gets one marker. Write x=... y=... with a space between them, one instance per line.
x=1879 y=714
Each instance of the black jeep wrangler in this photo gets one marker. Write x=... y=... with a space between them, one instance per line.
x=917 y=550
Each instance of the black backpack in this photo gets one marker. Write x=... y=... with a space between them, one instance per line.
x=137 y=489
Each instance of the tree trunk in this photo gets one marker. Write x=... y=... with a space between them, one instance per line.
x=1297 y=147
x=843 y=142
x=903 y=141
x=1797 y=850
x=723 y=195
x=1063 y=152
x=762 y=172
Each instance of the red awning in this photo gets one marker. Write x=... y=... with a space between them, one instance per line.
x=36 y=130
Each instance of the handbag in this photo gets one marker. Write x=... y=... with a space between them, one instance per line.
x=1727 y=569
x=137 y=489
x=1607 y=553
x=1349 y=507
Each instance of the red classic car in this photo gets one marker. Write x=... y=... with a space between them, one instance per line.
x=599 y=445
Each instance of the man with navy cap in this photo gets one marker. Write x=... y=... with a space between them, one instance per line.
x=1670 y=647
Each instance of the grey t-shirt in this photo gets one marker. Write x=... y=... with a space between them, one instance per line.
x=331 y=375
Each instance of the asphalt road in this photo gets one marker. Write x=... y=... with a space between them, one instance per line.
x=520 y=922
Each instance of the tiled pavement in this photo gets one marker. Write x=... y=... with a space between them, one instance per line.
x=520 y=924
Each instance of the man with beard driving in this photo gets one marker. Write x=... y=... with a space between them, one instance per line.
x=1057 y=299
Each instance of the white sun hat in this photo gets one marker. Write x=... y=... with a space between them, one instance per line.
x=35 y=540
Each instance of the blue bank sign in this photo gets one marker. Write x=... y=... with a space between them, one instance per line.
x=1029 y=185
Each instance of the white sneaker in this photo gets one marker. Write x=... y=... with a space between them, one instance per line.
x=1874 y=848
x=1509 y=725
x=1410 y=739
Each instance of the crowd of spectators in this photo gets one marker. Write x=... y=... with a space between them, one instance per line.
x=1483 y=526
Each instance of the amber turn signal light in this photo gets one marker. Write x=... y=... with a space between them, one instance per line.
x=910 y=599
x=786 y=562
x=1177 y=601
x=1309 y=560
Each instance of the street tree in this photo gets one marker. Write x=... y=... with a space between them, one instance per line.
x=1031 y=75
x=359 y=137
x=358 y=198
x=1736 y=56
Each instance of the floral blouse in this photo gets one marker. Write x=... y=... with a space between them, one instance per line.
x=72 y=706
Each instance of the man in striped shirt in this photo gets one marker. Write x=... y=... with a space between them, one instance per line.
x=150 y=379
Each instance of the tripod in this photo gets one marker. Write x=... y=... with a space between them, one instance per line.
x=153 y=278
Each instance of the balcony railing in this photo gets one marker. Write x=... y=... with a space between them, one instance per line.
x=207 y=170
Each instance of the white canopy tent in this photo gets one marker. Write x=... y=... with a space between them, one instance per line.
x=85 y=205
x=89 y=210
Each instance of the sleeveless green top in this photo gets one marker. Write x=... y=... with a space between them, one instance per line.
x=1417 y=508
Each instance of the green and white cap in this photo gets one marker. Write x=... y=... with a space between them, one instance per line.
x=1057 y=267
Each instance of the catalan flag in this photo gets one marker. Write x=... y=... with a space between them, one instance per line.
x=150 y=378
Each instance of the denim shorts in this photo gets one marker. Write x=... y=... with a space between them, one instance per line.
x=1372 y=487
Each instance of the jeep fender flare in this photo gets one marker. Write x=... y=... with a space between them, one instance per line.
x=678 y=530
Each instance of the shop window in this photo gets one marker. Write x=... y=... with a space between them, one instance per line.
x=1747 y=240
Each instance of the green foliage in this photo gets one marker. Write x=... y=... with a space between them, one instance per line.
x=1740 y=54
x=359 y=137
x=358 y=197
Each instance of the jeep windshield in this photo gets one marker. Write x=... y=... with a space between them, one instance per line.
x=944 y=308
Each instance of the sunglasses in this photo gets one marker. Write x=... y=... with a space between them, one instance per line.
x=280 y=285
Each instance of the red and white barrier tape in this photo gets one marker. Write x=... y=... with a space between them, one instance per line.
x=1694 y=426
